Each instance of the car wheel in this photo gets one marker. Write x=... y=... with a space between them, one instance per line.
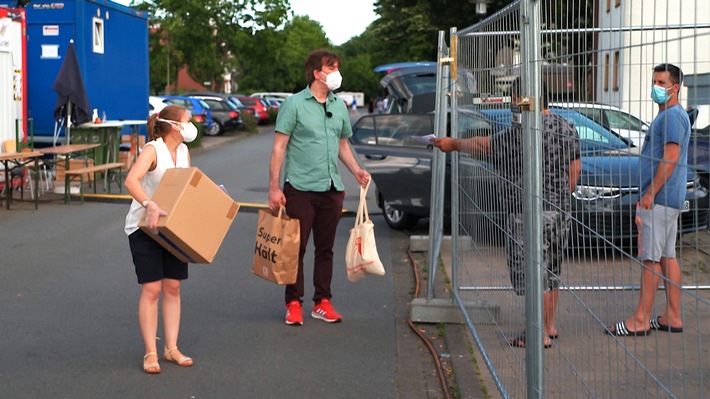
x=215 y=130
x=397 y=219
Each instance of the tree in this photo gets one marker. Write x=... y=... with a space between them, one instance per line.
x=201 y=33
x=407 y=30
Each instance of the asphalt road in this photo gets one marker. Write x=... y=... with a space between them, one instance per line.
x=69 y=329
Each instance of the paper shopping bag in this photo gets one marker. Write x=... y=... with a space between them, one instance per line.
x=361 y=256
x=278 y=239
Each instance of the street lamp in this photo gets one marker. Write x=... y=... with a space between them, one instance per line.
x=481 y=6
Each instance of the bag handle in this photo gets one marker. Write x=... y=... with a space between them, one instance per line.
x=362 y=213
x=281 y=209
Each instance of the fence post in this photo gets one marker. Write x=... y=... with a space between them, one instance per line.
x=438 y=166
x=532 y=184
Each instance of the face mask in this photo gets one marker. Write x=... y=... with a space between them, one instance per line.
x=660 y=95
x=333 y=80
x=188 y=131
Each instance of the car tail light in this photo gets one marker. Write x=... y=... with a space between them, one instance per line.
x=199 y=118
x=233 y=114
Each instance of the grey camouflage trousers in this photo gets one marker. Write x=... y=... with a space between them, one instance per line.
x=555 y=233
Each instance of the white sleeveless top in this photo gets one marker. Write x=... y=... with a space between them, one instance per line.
x=151 y=179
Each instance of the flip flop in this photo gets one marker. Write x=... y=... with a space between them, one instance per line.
x=620 y=330
x=519 y=342
x=656 y=325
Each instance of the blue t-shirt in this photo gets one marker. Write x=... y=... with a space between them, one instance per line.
x=670 y=126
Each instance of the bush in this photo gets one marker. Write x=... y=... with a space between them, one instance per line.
x=249 y=123
x=272 y=115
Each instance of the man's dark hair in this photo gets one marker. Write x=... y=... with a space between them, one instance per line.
x=675 y=73
x=515 y=89
x=316 y=59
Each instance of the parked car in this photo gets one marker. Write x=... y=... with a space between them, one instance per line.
x=604 y=200
x=199 y=109
x=243 y=110
x=271 y=94
x=261 y=110
x=613 y=118
x=226 y=116
x=273 y=103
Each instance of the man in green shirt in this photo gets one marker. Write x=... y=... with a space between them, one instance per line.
x=312 y=131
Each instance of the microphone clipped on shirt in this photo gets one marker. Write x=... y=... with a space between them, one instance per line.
x=327 y=113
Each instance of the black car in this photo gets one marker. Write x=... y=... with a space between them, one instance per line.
x=226 y=116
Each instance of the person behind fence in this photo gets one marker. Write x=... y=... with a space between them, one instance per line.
x=312 y=131
x=157 y=270
x=561 y=166
x=662 y=180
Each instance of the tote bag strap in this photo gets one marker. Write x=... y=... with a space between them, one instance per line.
x=362 y=213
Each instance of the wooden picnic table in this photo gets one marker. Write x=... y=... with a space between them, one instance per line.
x=69 y=151
x=20 y=159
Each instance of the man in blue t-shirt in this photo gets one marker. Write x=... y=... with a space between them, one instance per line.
x=662 y=183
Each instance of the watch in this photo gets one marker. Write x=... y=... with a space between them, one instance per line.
x=145 y=203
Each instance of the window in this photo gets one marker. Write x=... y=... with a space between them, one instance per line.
x=615 y=85
x=98 y=35
x=606 y=72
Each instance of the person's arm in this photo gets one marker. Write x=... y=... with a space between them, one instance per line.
x=575 y=167
x=345 y=155
x=146 y=161
x=473 y=145
x=671 y=154
x=276 y=196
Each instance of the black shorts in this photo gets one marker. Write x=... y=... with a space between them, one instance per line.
x=152 y=261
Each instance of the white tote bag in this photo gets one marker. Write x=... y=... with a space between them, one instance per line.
x=361 y=256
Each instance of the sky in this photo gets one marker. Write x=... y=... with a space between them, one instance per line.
x=340 y=19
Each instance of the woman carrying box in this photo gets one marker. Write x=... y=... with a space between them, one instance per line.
x=158 y=271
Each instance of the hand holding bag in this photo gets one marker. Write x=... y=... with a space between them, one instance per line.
x=361 y=256
x=278 y=240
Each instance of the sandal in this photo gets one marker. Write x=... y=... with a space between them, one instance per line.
x=151 y=368
x=183 y=361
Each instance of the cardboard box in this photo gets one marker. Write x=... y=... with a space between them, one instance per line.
x=199 y=215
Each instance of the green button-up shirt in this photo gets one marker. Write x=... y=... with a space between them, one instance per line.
x=312 y=151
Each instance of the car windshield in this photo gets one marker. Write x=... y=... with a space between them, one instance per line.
x=235 y=101
x=394 y=130
x=593 y=136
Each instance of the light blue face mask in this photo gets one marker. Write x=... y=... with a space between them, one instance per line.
x=659 y=95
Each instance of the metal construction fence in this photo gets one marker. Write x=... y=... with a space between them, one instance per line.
x=531 y=241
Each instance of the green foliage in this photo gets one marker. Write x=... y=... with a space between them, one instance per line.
x=272 y=115
x=249 y=123
x=263 y=46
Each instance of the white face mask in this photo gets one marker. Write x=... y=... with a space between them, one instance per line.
x=188 y=131
x=333 y=80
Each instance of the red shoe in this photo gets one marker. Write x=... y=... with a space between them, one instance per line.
x=294 y=314
x=324 y=311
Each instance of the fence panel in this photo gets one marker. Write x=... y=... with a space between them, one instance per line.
x=596 y=59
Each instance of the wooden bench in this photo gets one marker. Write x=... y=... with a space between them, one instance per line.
x=110 y=168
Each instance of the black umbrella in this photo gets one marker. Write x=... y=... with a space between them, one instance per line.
x=72 y=103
